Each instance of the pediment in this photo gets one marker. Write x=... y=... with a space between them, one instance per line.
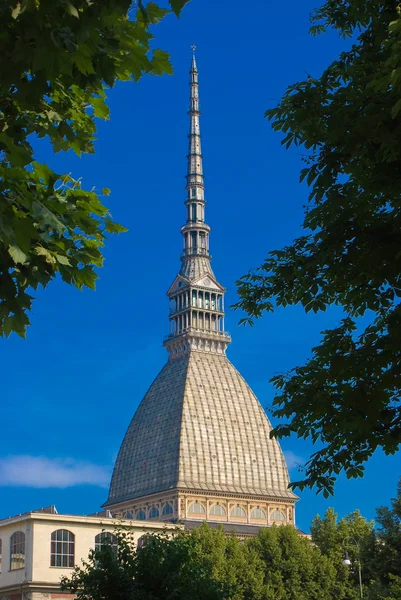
x=178 y=283
x=209 y=283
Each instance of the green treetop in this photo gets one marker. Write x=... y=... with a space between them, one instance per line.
x=58 y=59
x=348 y=122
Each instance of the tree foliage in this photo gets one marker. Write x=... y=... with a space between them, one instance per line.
x=58 y=59
x=277 y=564
x=206 y=563
x=348 y=121
x=376 y=546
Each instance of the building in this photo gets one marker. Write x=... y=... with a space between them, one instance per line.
x=39 y=547
x=198 y=447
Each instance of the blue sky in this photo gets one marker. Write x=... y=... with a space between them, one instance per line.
x=69 y=391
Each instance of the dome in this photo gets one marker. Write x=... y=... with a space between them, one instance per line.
x=199 y=427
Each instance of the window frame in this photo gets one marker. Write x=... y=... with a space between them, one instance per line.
x=241 y=509
x=282 y=519
x=170 y=512
x=257 y=508
x=220 y=514
x=199 y=512
x=60 y=549
x=100 y=543
x=17 y=547
x=154 y=512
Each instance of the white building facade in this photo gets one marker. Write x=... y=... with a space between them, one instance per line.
x=38 y=548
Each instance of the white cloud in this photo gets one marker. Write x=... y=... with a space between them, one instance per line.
x=42 y=472
x=293 y=460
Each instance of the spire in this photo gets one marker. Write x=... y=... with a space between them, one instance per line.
x=194 y=68
x=196 y=298
x=195 y=231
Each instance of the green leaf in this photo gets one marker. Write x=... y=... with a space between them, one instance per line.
x=84 y=63
x=16 y=11
x=17 y=255
x=17 y=323
x=178 y=5
x=41 y=251
x=85 y=277
x=106 y=191
x=17 y=154
x=396 y=109
x=112 y=227
x=72 y=10
x=63 y=260
x=161 y=63
x=100 y=108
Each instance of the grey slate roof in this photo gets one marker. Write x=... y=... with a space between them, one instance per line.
x=199 y=427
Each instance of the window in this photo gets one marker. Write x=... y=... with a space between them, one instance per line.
x=218 y=510
x=129 y=515
x=142 y=541
x=154 y=512
x=167 y=509
x=258 y=513
x=196 y=508
x=106 y=539
x=193 y=212
x=62 y=548
x=141 y=515
x=277 y=515
x=193 y=241
x=238 y=511
x=193 y=192
x=17 y=550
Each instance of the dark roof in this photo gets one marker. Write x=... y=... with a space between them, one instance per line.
x=237 y=528
x=49 y=510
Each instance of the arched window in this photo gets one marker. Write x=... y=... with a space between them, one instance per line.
x=167 y=509
x=106 y=540
x=196 y=509
x=17 y=550
x=277 y=515
x=129 y=515
x=258 y=513
x=218 y=510
x=143 y=540
x=62 y=548
x=141 y=515
x=238 y=511
x=154 y=512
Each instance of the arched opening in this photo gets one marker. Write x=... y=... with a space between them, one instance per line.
x=62 y=548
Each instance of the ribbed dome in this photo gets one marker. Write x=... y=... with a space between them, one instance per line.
x=199 y=427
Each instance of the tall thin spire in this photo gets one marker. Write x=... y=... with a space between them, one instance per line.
x=195 y=231
x=196 y=298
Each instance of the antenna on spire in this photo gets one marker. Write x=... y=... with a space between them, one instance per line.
x=194 y=68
